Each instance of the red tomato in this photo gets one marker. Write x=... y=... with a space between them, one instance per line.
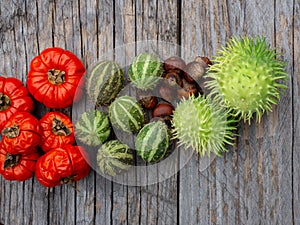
x=56 y=130
x=13 y=97
x=17 y=167
x=21 y=133
x=61 y=166
x=55 y=78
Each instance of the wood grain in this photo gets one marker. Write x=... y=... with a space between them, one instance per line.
x=256 y=182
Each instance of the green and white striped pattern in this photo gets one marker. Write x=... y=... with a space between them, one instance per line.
x=127 y=114
x=145 y=70
x=92 y=128
x=114 y=158
x=104 y=82
x=152 y=141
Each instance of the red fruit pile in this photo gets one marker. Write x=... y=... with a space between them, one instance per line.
x=55 y=79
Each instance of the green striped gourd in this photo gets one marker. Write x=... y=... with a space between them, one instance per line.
x=92 y=128
x=104 y=82
x=152 y=141
x=126 y=113
x=145 y=70
x=114 y=158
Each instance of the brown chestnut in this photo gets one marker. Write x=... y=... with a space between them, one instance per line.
x=166 y=93
x=174 y=63
x=148 y=102
x=193 y=71
x=162 y=110
x=173 y=79
x=187 y=90
x=205 y=62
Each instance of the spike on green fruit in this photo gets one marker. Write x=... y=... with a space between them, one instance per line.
x=202 y=124
x=246 y=77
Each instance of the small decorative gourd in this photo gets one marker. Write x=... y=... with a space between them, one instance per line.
x=104 y=82
x=152 y=141
x=145 y=71
x=92 y=128
x=114 y=157
x=127 y=114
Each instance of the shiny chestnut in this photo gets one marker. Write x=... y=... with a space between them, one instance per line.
x=187 y=90
x=193 y=71
x=205 y=61
x=148 y=102
x=173 y=79
x=162 y=110
x=174 y=63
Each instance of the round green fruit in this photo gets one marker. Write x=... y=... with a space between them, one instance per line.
x=246 y=77
x=104 y=82
x=152 y=141
x=114 y=158
x=92 y=128
x=127 y=114
x=202 y=124
x=145 y=71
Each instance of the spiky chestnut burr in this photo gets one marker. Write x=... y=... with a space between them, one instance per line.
x=246 y=77
x=203 y=125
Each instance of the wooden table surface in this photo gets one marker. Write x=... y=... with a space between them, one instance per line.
x=256 y=182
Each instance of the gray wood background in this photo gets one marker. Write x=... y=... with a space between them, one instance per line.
x=256 y=182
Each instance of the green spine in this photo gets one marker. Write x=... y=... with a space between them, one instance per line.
x=114 y=158
x=202 y=124
x=92 y=128
x=152 y=141
x=126 y=113
x=104 y=82
x=145 y=71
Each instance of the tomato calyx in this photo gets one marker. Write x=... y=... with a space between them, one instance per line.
x=59 y=128
x=56 y=77
x=11 y=161
x=68 y=180
x=11 y=132
x=4 y=102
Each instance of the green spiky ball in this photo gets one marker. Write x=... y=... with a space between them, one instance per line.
x=202 y=124
x=145 y=70
x=246 y=77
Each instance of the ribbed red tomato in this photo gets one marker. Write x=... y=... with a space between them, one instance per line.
x=61 y=166
x=56 y=130
x=19 y=166
x=21 y=133
x=55 y=78
x=13 y=97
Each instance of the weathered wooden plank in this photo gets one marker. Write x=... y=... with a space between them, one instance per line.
x=199 y=186
x=256 y=155
x=282 y=124
x=147 y=29
x=14 y=56
x=157 y=20
x=62 y=199
x=84 y=34
x=17 y=68
x=125 y=200
x=296 y=108
x=35 y=33
x=98 y=40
